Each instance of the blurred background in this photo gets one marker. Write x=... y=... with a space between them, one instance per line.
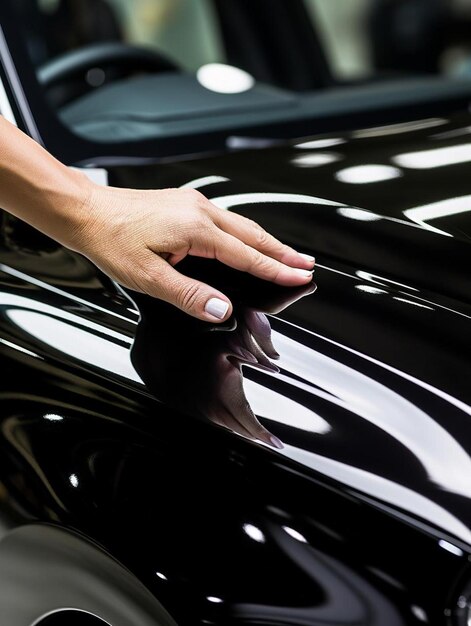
x=361 y=39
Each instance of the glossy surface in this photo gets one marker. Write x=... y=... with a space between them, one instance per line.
x=364 y=516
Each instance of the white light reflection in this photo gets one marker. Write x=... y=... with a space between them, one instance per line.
x=380 y=280
x=240 y=199
x=452 y=134
x=359 y=214
x=76 y=342
x=449 y=547
x=74 y=481
x=366 y=174
x=254 y=533
x=419 y=613
x=362 y=215
x=198 y=183
x=18 y=348
x=371 y=289
x=320 y=143
x=29 y=305
x=161 y=576
x=278 y=408
x=47 y=287
x=52 y=417
x=436 y=210
x=396 y=129
x=445 y=461
x=294 y=534
x=418 y=304
x=382 y=489
x=439 y=157
x=316 y=159
x=420 y=383
x=223 y=78
x=214 y=599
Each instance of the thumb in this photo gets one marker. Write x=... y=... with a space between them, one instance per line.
x=191 y=296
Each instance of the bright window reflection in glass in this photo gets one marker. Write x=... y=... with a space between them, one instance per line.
x=254 y=533
x=214 y=599
x=224 y=78
x=366 y=174
x=439 y=157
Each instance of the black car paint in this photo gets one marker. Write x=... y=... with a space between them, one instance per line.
x=364 y=517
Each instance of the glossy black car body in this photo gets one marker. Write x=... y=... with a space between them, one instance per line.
x=122 y=500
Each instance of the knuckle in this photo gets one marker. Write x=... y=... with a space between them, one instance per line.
x=202 y=227
x=149 y=278
x=195 y=197
x=262 y=237
x=253 y=223
x=264 y=265
x=188 y=296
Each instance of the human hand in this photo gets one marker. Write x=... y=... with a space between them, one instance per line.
x=137 y=237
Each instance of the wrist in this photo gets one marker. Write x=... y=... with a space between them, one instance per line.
x=51 y=197
x=72 y=207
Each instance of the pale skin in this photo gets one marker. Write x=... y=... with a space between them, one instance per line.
x=138 y=237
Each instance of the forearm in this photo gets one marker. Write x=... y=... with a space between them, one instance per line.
x=37 y=188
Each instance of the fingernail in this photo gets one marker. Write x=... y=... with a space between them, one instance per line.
x=217 y=308
x=304 y=273
x=308 y=257
x=276 y=443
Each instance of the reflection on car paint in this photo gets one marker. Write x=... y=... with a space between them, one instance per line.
x=365 y=511
x=421 y=215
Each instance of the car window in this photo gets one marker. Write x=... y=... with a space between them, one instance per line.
x=185 y=30
x=286 y=61
x=368 y=39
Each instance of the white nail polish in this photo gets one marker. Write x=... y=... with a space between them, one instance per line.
x=276 y=443
x=305 y=273
x=308 y=257
x=217 y=308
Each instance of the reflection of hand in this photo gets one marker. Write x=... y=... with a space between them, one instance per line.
x=249 y=344
x=200 y=372
x=228 y=404
x=137 y=237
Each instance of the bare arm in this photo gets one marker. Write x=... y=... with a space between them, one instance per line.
x=137 y=237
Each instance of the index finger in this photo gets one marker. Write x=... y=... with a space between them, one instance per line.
x=258 y=238
x=238 y=255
